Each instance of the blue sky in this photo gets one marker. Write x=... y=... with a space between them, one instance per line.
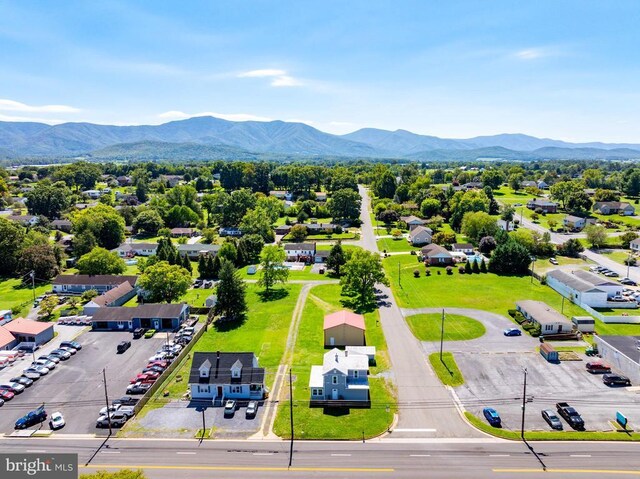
x=562 y=69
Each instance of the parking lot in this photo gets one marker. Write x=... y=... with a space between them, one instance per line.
x=495 y=380
x=75 y=387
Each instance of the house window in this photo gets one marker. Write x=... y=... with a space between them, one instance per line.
x=236 y=389
x=355 y=374
x=548 y=327
x=334 y=379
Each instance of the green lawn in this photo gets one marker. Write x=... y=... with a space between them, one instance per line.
x=604 y=329
x=14 y=294
x=488 y=292
x=617 y=255
x=264 y=333
x=304 y=274
x=446 y=369
x=315 y=423
x=392 y=245
x=544 y=266
x=427 y=327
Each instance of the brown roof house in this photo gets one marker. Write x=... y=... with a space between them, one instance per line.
x=114 y=297
x=436 y=255
x=344 y=328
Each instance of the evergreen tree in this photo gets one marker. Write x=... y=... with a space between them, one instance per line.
x=336 y=258
x=467 y=267
x=202 y=266
x=186 y=263
x=216 y=266
x=483 y=266
x=231 y=292
x=475 y=267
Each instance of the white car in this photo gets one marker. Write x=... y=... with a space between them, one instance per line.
x=17 y=387
x=43 y=362
x=114 y=408
x=56 y=421
x=159 y=357
x=40 y=368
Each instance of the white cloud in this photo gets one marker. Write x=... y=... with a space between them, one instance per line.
x=279 y=78
x=48 y=121
x=538 y=52
x=11 y=105
x=180 y=115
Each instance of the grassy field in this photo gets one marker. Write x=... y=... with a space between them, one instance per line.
x=14 y=294
x=446 y=369
x=395 y=245
x=304 y=274
x=604 y=329
x=427 y=327
x=316 y=423
x=551 y=435
x=487 y=292
x=264 y=333
x=617 y=255
x=543 y=265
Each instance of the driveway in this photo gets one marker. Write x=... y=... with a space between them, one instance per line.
x=493 y=341
x=426 y=407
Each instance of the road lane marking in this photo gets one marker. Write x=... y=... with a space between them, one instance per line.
x=412 y=430
x=419 y=455
x=263 y=454
x=499 y=455
x=110 y=452
x=240 y=468
x=341 y=455
x=184 y=452
x=36 y=450
x=579 y=455
x=572 y=471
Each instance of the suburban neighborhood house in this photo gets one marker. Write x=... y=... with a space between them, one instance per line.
x=151 y=316
x=550 y=320
x=635 y=245
x=575 y=223
x=506 y=225
x=412 y=221
x=593 y=292
x=436 y=255
x=614 y=207
x=420 y=235
x=341 y=380
x=114 y=297
x=545 y=205
x=344 y=328
x=129 y=250
x=466 y=248
x=22 y=330
x=79 y=283
x=303 y=252
x=183 y=232
x=193 y=251
x=219 y=376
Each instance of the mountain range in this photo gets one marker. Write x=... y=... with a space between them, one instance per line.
x=214 y=138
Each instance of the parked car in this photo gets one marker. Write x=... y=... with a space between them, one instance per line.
x=56 y=421
x=6 y=395
x=160 y=363
x=31 y=418
x=616 y=380
x=553 y=261
x=598 y=367
x=144 y=378
x=25 y=381
x=552 y=419
x=15 y=388
x=126 y=401
x=1 y=402
x=150 y=333
x=138 y=333
x=72 y=344
x=153 y=369
x=47 y=363
x=111 y=409
x=160 y=357
x=492 y=416
x=69 y=350
x=51 y=358
x=138 y=388
x=32 y=373
x=61 y=353
x=123 y=346
x=41 y=369
x=570 y=415
x=118 y=419
x=252 y=269
x=628 y=282
x=229 y=407
x=512 y=332
x=252 y=409
x=611 y=274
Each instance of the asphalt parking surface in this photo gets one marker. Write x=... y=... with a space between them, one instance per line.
x=75 y=387
x=496 y=380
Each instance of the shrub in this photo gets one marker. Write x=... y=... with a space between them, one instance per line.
x=427 y=272
x=449 y=270
x=475 y=268
x=416 y=273
x=512 y=312
x=467 y=267
x=461 y=270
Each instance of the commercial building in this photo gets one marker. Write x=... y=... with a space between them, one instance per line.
x=550 y=320
x=622 y=353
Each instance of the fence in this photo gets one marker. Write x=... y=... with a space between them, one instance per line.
x=167 y=372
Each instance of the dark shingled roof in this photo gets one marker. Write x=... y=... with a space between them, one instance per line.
x=99 y=279
x=152 y=310
x=220 y=372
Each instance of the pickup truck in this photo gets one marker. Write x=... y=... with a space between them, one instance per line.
x=570 y=415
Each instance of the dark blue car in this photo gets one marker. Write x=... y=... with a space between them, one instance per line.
x=492 y=416
x=32 y=418
x=512 y=332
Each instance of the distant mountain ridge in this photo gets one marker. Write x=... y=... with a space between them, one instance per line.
x=206 y=137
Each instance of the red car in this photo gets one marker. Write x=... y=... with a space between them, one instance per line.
x=145 y=378
x=6 y=395
x=162 y=364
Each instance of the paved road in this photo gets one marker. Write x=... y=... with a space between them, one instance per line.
x=473 y=459
x=426 y=407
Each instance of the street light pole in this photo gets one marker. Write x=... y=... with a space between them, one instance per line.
x=442 y=335
x=533 y=264
x=291 y=415
x=628 y=264
x=399 y=279
x=524 y=403
x=106 y=398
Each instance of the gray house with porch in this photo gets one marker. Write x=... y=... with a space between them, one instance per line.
x=341 y=381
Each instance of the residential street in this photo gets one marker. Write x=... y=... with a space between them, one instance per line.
x=426 y=407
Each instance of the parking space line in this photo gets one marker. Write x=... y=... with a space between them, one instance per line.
x=36 y=450
x=579 y=455
x=263 y=454
x=419 y=455
x=499 y=455
x=110 y=452
x=341 y=455
x=185 y=452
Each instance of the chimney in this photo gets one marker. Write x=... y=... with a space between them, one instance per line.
x=217 y=362
x=346 y=353
x=336 y=357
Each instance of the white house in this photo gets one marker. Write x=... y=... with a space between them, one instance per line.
x=635 y=245
x=93 y=194
x=506 y=225
x=218 y=376
x=343 y=376
x=550 y=320
x=304 y=252
x=571 y=222
x=576 y=289
x=412 y=221
x=136 y=249
x=466 y=248
x=612 y=288
x=420 y=235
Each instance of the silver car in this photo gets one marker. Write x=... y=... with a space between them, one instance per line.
x=31 y=373
x=40 y=368
x=14 y=387
x=46 y=363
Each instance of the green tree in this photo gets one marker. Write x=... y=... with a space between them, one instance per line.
x=483 y=266
x=181 y=215
x=596 y=235
x=148 y=221
x=231 y=292
x=344 y=204
x=443 y=238
x=467 y=267
x=515 y=181
x=142 y=191
x=337 y=258
x=571 y=248
x=475 y=268
x=216 y=266
x=40 y=258
x=204 y=270
x=100 y=261
x=47 y=305
x=510 y=258
x=492 y=178
x=360 y=274
x=228 y=251
x=476 y=225
x=487 y=244
x=606 y=195
x=80 y=174
x=507 y=215
x=631 y=182
x=430 y=207
x=627 y=237
x=103 y=222
x=11 y=239
x=298 y=233
x=272 y=269
x=384 y=186
x=249 y=248
x=562 y=191
x=48 y=200
x=236 y=206
x=164 y=282
x=257 y=222
x=465 y=202
x=186 y=263
x=88 y=295
x=579 y=202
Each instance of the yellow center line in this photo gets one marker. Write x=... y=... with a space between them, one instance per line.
x=573 y=471
x=239 y=468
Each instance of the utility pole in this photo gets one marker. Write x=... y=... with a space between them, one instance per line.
x=204 y=426
x=32 y=274
x=628 y=264
x=524 y=403
x=562 y=309
x=291 y=415
x=106 y=398
x=399 y=279
x=442 y=335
